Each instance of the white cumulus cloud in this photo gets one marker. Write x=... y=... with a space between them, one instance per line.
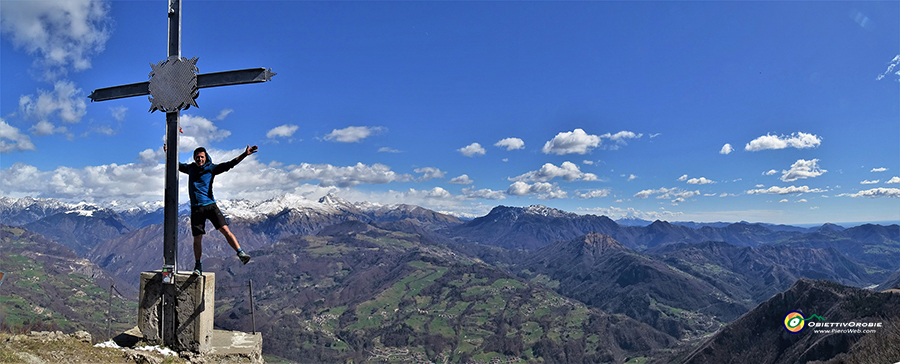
x=675 y=194
x=580 y=142
x=429 y=173
x=353 y=134
x=802 y=169
x=878 y=192
x=488 y=194
x=11 y=139
x=894 y=179
x=592 y=193
x=462 y=180
x=89 y=184
x=44 y=127
x=576 y=141
x=542 y=190
x=283 y=131
x=510 y=143
x=797 y=140
x=867 y=182
x=198 y=132
x=726 y=149
x=700 y=181
x=329 y=175
x=567 y=170
x=619 y=138
x=776 y=190
x=683 y=178
x=59 y=34
x=472 y=150
x=882 y=169
x=65 y=102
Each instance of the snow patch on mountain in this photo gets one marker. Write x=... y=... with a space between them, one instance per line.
x=547 y=211
x=86 y=213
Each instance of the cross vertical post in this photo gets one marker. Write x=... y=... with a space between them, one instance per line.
x=173 y=86
x=170 y=219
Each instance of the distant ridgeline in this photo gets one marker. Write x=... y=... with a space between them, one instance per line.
x=336 y=281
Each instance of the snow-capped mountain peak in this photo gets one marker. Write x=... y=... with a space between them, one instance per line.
x=335 y=202
x=547 y=211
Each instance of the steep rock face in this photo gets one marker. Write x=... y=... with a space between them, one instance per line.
x=761 y=334
x=599 y=271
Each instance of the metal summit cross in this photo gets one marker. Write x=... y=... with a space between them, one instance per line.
x=173 y=86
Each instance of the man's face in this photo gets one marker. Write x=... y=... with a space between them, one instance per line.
x=200 y=158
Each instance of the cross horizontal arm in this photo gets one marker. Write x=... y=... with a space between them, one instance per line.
x=214 y=79
x=250 y=75
x=118 y=92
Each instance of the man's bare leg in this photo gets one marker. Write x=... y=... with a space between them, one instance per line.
x=226 y=232
x=198 y=246
x=234 y=244
x=198 y=252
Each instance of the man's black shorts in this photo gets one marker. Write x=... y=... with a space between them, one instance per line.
x=199 y=215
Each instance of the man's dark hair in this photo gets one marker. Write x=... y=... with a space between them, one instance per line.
x=201 y=149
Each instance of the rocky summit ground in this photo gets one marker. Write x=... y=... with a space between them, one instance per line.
x=52 y=347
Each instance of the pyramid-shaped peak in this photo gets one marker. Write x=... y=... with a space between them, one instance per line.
x=601 y=242
x=830 y=228
x=332 y=200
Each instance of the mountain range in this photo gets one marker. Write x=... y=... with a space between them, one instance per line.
x=341 y=281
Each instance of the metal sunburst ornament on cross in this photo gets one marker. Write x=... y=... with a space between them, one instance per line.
x=173 y=84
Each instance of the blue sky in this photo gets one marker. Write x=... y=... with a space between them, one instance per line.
x=780 y=112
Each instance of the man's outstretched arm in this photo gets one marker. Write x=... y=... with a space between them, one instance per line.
x=230 y=164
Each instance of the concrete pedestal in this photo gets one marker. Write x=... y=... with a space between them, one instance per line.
x=194 y=304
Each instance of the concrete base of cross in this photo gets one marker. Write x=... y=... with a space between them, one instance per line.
x=226 y=347
x=194 y=306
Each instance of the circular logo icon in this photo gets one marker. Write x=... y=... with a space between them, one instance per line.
x=794 y=322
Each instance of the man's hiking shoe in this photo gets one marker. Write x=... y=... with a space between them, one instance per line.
x=243 y=256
